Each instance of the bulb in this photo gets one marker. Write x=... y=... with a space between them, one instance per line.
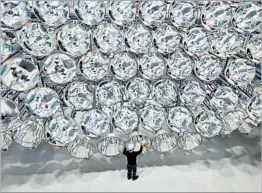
x=123 y=66
x=216 y=15
x=52 y=13
x=152 y=118
x=183 y=14
x=59 y=68
x=19 y=74
x=109 y=93
x=61 y=131
x=208 y=68
x=247 y=17
x=94 y=123
x=166 y=39
x=35 y=39
x=179 y=119
x=93 y=66
x=164 y=91
x=151 y=13
x=90 y=12
x=78 y=95
x=195 y=42
x=122 y=12
x=138 y=38
x=179 y=65
x=9 y=113
x=28 y=133
x=81 y=148
x=137 y=90
x=151 y=66
x=207 y=124
x=74 y=38
x=14 y=14
x=239 y=72
x=224 y=99
x=124 y=120
x=107 y=38
x=43 y=102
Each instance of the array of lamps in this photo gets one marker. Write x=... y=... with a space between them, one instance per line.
x=94 y=76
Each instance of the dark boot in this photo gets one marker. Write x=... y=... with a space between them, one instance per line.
x=135 y=178
x=129 y=176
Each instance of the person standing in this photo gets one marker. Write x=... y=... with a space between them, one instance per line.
x=131 y=160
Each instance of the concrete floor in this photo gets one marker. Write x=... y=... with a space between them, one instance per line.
x=220 y=164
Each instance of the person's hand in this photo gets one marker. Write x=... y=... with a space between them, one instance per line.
x=145 y=144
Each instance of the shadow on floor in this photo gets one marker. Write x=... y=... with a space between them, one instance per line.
x=47 y=159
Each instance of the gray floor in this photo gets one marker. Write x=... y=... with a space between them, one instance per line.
x=45 y=159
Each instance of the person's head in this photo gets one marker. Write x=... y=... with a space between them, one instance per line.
x=130 y=147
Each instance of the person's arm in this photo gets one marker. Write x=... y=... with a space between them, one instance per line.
x=125 y=151
x=140 y=150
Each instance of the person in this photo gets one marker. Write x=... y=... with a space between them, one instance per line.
x=131 y=160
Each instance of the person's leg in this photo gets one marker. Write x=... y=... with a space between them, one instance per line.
x=129 y=172
x=134 y=176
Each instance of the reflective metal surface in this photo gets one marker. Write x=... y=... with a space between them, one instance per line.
x=95 y=123
x=43 y=102
x=208 y=68
x=137 y=90
x=152 y=118
x=195 y=42
x=151 y=13
x=225 y=42
x=111 y=146
x=9 y=113
x=247 y=17
x=179 y=119
x=207 y=124
x=90 y=12
x=6 y=140
x=254 y=108
x=107 y=38
x=233 y=120
x=138 y=38
x=35 y=39
x=74 y=38
x=124 y=120
x=14 y=14
x=166 y=39
x=93 y=66
x=189 y=141
x=239 y=72
x=182 y=14
x=179 y=65
x=122 y=12
x=53 y=13
x=28 y=133
x=109 y=93
x=192 y=94
x=165 y=92
x=8 y=47
x=81 y=148
x=164 y=142
x=123 y=66
x=61 y=131
x=253 y=49
x=19 y=74
x=216 y=15
x=151 y=66
x=224 y=99
x=59 y=68
x=79 y=96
